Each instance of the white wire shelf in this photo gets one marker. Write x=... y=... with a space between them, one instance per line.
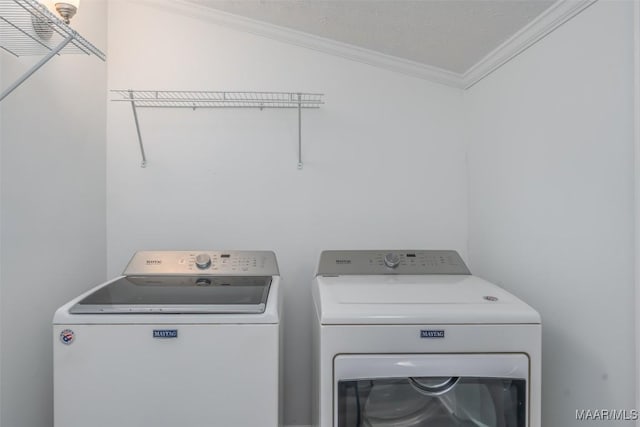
x=217 y=99
x=27 y=28
x=208 y=99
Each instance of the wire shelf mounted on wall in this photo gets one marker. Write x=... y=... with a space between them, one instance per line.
x=29 y=28
x=209 y=99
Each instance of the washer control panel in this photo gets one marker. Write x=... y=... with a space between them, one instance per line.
x=224 y=263
x=410 y=262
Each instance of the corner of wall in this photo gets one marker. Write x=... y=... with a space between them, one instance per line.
x=636 y=95
x=2 y=83
x=466 y=141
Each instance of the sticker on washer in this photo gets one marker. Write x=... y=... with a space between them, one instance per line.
x=165 y=333
x=67 y=336
x=431 y=333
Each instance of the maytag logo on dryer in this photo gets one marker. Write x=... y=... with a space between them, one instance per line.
x=431 y=333
x=165 y=333
x=343 y=261
x=154 y=261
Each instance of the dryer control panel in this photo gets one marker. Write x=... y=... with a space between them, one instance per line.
x=210 y=263
x=409 y=262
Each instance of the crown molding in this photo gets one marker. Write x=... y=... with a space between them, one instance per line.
x=558 y=14
x=310 y=41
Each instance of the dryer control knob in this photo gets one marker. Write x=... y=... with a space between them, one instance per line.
x=392 y=260
x=203 y=261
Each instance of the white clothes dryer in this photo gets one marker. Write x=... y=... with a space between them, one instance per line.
x=182 y=338
x=412 y=339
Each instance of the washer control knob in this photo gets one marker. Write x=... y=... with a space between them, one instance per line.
x=392 y=260
x=203 y=261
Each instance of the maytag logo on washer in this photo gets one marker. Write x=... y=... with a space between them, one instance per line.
x=431 y=333
x=165 y=333
x=67 y=336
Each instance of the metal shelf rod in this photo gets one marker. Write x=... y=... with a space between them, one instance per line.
x=294 y=104
x=36 y=67
x=212 y=107
x=135 y=118
x=25 y=43
x=28 y=28
x=207 y=99
x=299 y=132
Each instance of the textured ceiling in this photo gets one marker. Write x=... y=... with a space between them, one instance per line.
x=449 y=34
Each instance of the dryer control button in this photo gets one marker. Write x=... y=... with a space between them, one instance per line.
x=392 y=260
x=203 y=261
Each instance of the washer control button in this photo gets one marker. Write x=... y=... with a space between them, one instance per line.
x=392 y=260
x=203 y=261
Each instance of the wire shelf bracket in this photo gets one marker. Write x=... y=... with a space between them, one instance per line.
x=29 y=28
x=207 y=99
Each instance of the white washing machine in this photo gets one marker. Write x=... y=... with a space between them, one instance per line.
x=183 y=338
x=412 y=339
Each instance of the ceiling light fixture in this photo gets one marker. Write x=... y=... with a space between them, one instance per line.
x=67 y=9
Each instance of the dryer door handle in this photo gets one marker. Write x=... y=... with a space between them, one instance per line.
x=431 y=386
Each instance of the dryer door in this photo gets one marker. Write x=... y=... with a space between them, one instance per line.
x=424 y=390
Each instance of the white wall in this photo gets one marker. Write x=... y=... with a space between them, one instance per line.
x=52 y=227
x=636 y=94
x=384 y=159
x=1 y=215
x=551 y=202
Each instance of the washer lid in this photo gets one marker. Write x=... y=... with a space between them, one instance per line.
x=424 y=299
x=178 y=294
